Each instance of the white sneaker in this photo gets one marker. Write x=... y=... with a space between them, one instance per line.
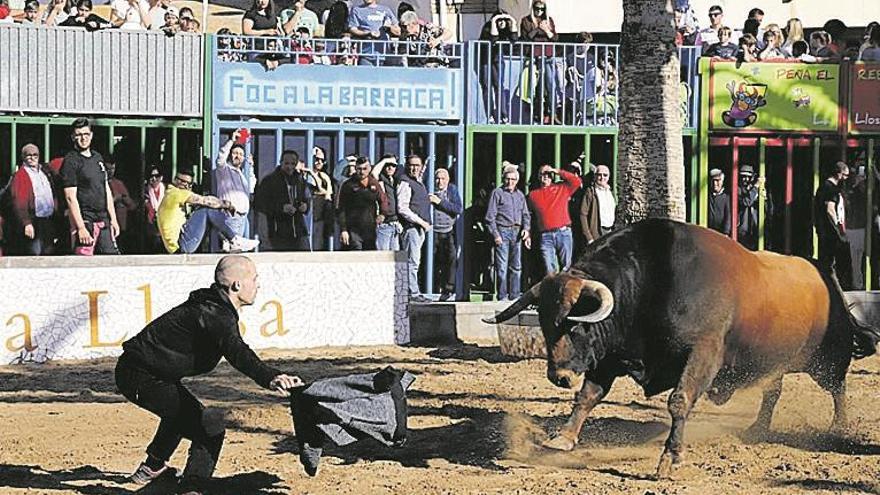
x=240 y=244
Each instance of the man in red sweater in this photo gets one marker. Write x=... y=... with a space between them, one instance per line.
x=549 y=205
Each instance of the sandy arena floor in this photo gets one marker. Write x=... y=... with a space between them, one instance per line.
x=475 y=419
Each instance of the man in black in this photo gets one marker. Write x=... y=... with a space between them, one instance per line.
x=361 y=200
x=719 y=203
x=284 y=197
x=189 y=340
x=87 y=191
x=828 y=211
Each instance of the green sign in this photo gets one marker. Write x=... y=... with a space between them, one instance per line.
x=759 y=96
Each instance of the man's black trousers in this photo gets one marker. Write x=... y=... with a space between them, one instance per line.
x=181 y=416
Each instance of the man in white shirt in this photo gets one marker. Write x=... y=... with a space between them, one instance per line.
x=231 y=183
x=130 y=14
x=709 y=35
x=597 y=208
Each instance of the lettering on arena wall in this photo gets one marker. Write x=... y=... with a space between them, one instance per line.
x=23 y=339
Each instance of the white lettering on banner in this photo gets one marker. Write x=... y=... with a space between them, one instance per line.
x=866 y=119
x=422 y=96
x=84 y=313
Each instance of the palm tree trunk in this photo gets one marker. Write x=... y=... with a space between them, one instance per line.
x=651 y=156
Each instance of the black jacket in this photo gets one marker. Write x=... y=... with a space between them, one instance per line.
x=190 y=339
x=277 y=190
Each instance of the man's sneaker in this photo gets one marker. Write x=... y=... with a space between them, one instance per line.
x=144 y=474
x=240 y=244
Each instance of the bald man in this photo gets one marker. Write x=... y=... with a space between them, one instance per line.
x=189 y=340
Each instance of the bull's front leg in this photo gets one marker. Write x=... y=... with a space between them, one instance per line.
x=703 y=364
x=595 y=387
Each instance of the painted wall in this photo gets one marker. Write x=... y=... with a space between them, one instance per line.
x=85 y=308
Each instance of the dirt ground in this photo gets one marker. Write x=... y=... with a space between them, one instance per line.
x=476 y=418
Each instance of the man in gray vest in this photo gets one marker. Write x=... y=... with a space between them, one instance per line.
x=447 y=207
x=414 y=209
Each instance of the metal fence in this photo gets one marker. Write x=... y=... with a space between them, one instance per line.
x=112 y=72
x=272 y=51
x=557 y=84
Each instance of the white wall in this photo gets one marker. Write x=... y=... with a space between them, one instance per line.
x=84 y=308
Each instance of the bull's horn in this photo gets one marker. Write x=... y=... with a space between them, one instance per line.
x=601 y=292
x=520 y=304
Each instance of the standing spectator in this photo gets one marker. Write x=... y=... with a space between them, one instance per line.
x=710 y=35
x=773 y=41
x=319 y=7
x=285 y=197
x=855 y=201
x=371 y=21
x=500 y=32
x=59 y=11
x=748 y=49
x=84 y=18
x=424 y=47
x=322 y=201
x=88 y=195
x=509 y=221
x=336 y=24
x=358 y=205
x=794 y=32
x=171 y=25
x=447 y=207
x=538 y=27
x=231 y=184
x=34 y=205
x=31 y=13
x=724 y=49
x=870 y=50
x=836 y=29
x=186 y=18
x=122 y=202
x=292 y=21
x=184 y=235
x=260 y=20
x=820 y=46
x=751 y=188
x=829 y=211
x=156 y=14
x=753 y=25
x=597 y=208
x=414 y=208
x=719 y=203
x=549 y=203
x=389 y=229
x=130 y=14
x=154 y=192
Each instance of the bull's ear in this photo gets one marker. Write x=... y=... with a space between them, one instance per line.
x=600 y=292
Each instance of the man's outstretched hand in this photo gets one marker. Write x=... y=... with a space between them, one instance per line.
x=282 y=383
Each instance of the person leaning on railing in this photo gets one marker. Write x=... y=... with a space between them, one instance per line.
x=84 y=18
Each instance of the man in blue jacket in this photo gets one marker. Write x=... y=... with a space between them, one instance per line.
x=447 y=207
x=189 y=340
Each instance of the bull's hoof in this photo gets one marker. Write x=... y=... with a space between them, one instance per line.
x=664 y=468
x=559 y=442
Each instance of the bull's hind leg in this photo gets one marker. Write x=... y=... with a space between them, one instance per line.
x=703 y=364
x=768 y=403
x=594 y=389
x=829 y=372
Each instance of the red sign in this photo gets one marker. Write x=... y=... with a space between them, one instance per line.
x=864 y=107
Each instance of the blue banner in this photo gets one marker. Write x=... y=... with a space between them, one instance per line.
x=242 y=88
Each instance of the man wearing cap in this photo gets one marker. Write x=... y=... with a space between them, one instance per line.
x=719 y=203
x=34 y=206
x=747 y=221
x=829 y=211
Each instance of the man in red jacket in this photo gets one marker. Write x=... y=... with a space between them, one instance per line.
x=33 y=204
x=549 y=205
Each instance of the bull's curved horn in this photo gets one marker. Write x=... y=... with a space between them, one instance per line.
x=606 y=302
x=520 y=304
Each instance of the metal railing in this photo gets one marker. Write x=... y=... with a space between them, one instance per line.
x=112 y=72
x=272 y=51
x=558 y=84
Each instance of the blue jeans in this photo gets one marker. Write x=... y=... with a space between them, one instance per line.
x=413 y=238
x=193 y=230
x=387 y=237
x=508 y=264
x=556 y=247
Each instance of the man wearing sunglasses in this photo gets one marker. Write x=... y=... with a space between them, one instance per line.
x=184 y=235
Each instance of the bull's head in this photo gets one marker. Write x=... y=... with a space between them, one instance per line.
x=568 y=351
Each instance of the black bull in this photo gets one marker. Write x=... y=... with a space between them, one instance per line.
x=676 y=306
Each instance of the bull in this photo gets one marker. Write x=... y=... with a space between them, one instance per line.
x=681 y=307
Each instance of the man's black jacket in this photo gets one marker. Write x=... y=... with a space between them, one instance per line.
x=191 y=338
